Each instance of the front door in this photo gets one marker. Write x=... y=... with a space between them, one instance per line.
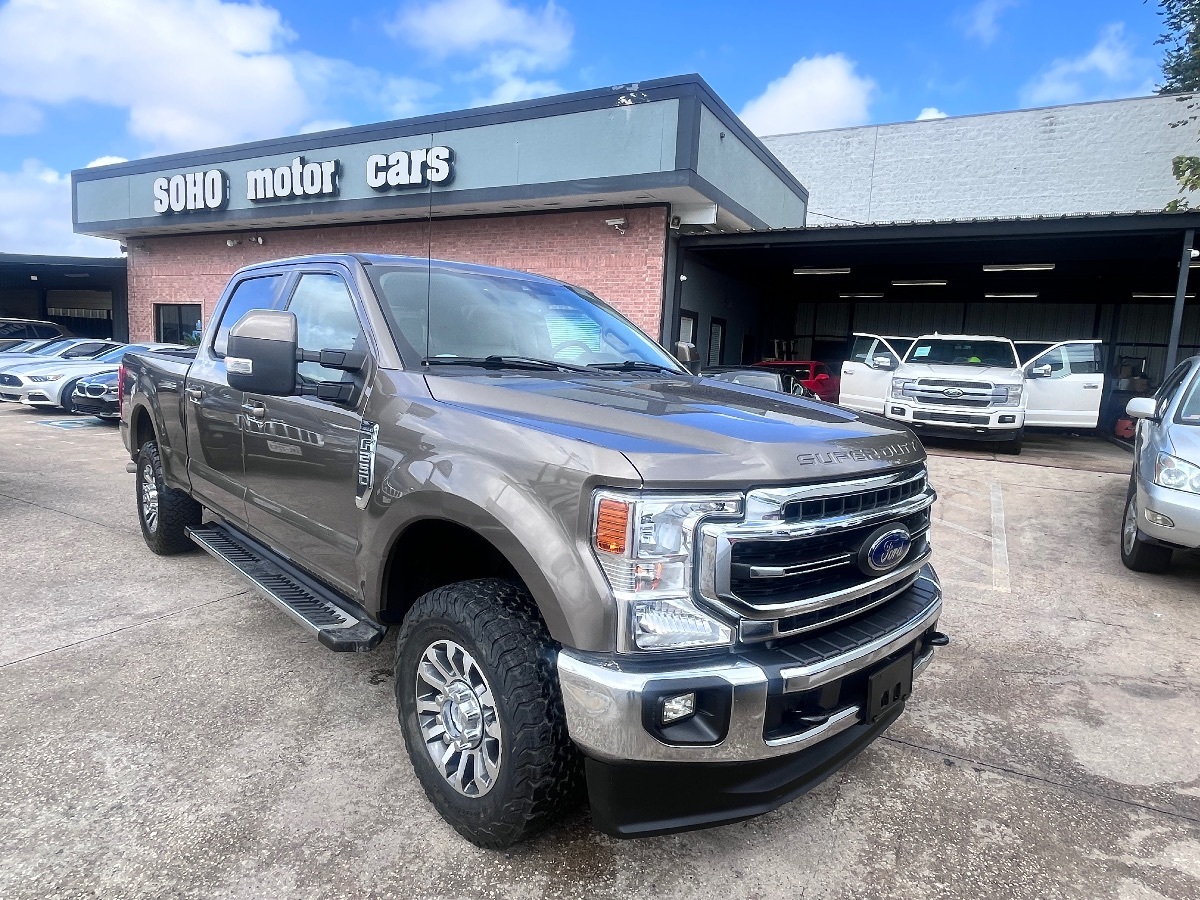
x=302 y=453
x=1069 y=395
x=865 y=379
x=213 y=410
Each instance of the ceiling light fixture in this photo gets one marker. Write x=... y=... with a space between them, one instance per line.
x=919 y=282
x=1141 y=296
x=812 y=271
x=860 y=296
x=1032 y=296
x=1019 y=267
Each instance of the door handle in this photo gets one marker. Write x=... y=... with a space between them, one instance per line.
x=255 y=410
x=194 y=393
x=1091 y=387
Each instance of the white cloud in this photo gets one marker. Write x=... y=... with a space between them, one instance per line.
x=506 y=42
x=981 y=21
x=930 y=112
x=189 y=73
x=37 y=215
x=106 y=161
x=819 y=92
x=1110 y=69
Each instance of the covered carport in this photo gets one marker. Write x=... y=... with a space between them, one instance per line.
x=803 y=293
x=85 y=295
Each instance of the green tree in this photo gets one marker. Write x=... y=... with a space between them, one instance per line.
x=1181 y=74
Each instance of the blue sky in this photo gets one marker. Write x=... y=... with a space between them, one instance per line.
x=86 y=80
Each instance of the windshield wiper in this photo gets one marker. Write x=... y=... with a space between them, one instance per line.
x=503 y=362
x=632 y=365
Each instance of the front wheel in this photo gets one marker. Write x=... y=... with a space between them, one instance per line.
x=164 y=513
x=1013 y=447
x=1136 y=552
x=67 y=398
x=481 y=711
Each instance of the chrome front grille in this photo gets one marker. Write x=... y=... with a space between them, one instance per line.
x=792 y=565
x=948 y=392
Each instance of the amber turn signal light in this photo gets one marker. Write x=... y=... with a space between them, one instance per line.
x=612 y=524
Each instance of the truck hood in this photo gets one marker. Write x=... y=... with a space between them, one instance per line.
x=678 y=430
x=994 y=374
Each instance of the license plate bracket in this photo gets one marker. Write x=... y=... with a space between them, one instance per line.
x=889 y=687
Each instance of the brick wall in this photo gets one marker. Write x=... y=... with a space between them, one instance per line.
x=626 y=270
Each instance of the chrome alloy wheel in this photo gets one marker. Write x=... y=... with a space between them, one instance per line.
x=456 y=713
x=1129 y=527
x=149 y=499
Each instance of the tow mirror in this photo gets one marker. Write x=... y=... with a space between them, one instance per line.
x=1043 y=371
x=1142 y=408
x=883 y=362
x=686 y=353
x=261 y=356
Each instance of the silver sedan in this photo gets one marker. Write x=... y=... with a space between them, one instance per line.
x=1162 y=511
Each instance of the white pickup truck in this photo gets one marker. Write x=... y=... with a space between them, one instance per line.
x=978 y=387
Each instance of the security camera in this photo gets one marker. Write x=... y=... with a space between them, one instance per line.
x=676 y=221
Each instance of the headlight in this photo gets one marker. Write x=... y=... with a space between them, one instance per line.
x=1013 y=397
x=38 y=379
x=1173 y=472
x=644 y=544
x=901 y=387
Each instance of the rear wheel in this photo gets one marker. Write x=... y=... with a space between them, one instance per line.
x=482 y=714
x=164 y=513
x=1136 y=552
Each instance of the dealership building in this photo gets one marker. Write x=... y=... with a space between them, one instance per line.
x=1038 y=225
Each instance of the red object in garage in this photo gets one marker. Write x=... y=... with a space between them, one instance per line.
x=1125 y=428
x=814 y=375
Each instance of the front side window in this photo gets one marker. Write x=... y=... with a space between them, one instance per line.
x=441 y=313
x=253 y=293
x=953 y=352
x=1082 y=359
x=325 y=320
x=1189 y=406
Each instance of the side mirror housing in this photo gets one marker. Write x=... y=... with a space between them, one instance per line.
x=261 y=356
x=1142 y=408
x=883 y=362
x=822 y=376
x=686 y=353
x=1043 y=371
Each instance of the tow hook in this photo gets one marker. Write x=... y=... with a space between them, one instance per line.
x=937 y=639
x=131 y=467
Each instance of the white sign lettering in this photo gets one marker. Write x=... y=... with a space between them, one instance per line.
x=191 y=192
x=407 y=168
x=300 y=179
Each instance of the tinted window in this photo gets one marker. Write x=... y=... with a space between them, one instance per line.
x=178 y=323
x=325 y=320
x=44 y=331
x=253 y=293
x=1189 y=407
x=1170 y=386
x=86 y=350
x=862 y=349
x=118 y=354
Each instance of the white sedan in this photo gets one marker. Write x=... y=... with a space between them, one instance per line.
x=52 y=383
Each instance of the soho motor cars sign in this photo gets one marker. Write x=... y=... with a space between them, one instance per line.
x=209 y=190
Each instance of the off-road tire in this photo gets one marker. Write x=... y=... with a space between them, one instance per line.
x=1137 y=553
x=541 y=771
x=176 y=510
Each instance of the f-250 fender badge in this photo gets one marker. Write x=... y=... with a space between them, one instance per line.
x=368 y=439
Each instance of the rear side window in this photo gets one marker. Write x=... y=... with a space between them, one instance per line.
x=253 y=293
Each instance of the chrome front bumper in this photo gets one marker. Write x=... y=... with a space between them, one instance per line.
x=606 y=704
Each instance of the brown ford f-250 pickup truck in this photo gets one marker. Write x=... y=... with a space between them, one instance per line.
x=697 y=598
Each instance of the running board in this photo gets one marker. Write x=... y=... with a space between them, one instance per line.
x=331 y=617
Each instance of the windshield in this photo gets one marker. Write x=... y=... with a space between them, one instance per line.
x=1189 y=407
x=50 y=346
x=768 y=381
x=441 y=314
x=118 y=353
x=962 y=352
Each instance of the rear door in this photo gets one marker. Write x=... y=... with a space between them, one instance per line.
x=214 y=412
x=1064 y=385
x=865 y=381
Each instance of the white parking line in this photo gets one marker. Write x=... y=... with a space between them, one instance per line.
x=1000 y=580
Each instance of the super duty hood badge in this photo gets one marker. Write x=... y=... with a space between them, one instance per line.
x=898 y=451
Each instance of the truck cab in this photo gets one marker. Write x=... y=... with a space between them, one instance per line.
x=974 y=386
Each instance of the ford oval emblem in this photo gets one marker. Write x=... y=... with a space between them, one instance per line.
x=953 y=392
x=884 y=549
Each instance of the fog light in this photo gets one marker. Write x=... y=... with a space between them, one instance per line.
x=1008 y=420
x=898 y=411
x=1158 y=519
x=677 y=708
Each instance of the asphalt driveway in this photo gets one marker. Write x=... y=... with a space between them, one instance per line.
x=165 y=732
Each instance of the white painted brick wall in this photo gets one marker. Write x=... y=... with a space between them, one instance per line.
x=1111 y=156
